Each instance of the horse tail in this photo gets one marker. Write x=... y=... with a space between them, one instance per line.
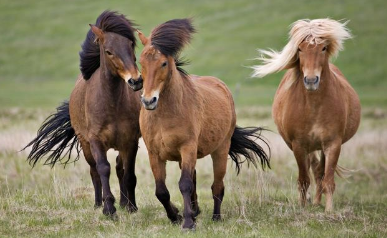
x=343 y=172
x=54 y=137
x=243 y=142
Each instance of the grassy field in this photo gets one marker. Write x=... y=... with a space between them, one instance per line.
x=44 y=202
x=39 y=45
x=40 y=41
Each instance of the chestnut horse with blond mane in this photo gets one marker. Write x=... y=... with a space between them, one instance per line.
x=103 y=112
x=315 y=108
x=187 y=117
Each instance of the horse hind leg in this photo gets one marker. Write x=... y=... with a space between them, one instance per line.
x=93 y=173
x=120 y=175
x=129 y=177
x=318 y=174
x=219 y=160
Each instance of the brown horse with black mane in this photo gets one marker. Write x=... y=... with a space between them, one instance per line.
x=187 y=117
x=315 y=108
x=103 y=112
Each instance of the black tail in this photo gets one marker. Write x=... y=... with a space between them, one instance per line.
x=243 y=142
x=53 y=138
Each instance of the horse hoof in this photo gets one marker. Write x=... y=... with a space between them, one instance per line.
x=97 y=205
x=216 y=217
x=188 y=227
x=109 y=211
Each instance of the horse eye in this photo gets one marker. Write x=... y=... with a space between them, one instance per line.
x=164 y=64
x=108 y=52
x=323 y=49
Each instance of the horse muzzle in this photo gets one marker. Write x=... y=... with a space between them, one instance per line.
x=311 y=83
x=135 y=84
x=149 y=104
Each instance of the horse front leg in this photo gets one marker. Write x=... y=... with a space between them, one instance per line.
x=332 y=153
x=103 y=168
x=303 y=163
x=162 y=193
x=186 y=183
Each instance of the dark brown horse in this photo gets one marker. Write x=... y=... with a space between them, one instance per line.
x=187 y=117
x=315 y=108
x=103 y=112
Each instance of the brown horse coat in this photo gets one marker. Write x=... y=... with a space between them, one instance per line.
x=314 y=108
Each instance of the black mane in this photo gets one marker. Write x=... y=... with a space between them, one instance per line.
x=108 y=21
x=170 y=38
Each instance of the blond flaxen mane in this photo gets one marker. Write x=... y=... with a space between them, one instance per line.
x=318 y=31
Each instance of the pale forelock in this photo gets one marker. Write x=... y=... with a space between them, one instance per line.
x=315 y=31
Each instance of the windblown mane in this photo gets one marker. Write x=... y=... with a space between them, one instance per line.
x=108 y=21
x=170 y=38
x=313 y=31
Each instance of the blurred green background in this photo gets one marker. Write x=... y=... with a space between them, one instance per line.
x=40 y=41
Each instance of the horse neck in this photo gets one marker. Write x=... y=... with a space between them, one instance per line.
x=111 y=86
x=177 y=90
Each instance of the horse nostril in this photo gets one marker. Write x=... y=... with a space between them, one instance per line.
x=131 y=81
x=153 y=100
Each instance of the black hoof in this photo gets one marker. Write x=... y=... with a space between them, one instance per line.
x=109 y=210
x=188 y=226
x=216 y=217
x=97 y=205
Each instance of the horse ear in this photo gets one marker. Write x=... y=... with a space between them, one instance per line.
x=97 y=32
x=142 y=37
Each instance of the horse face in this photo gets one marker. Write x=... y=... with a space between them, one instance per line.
x=312 y=58
x=155 y=69
x=119 y=57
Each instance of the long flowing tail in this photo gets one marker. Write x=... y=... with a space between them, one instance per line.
x=54 y=137
x=243 y=142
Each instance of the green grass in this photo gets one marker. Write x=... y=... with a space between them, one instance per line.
x=40 y=41
x=44 y=202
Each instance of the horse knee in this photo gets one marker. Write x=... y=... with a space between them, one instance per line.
x=103 y=168
x=186 y=185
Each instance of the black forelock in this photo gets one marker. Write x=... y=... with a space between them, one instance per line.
x=108 y=21
x=170 y=37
